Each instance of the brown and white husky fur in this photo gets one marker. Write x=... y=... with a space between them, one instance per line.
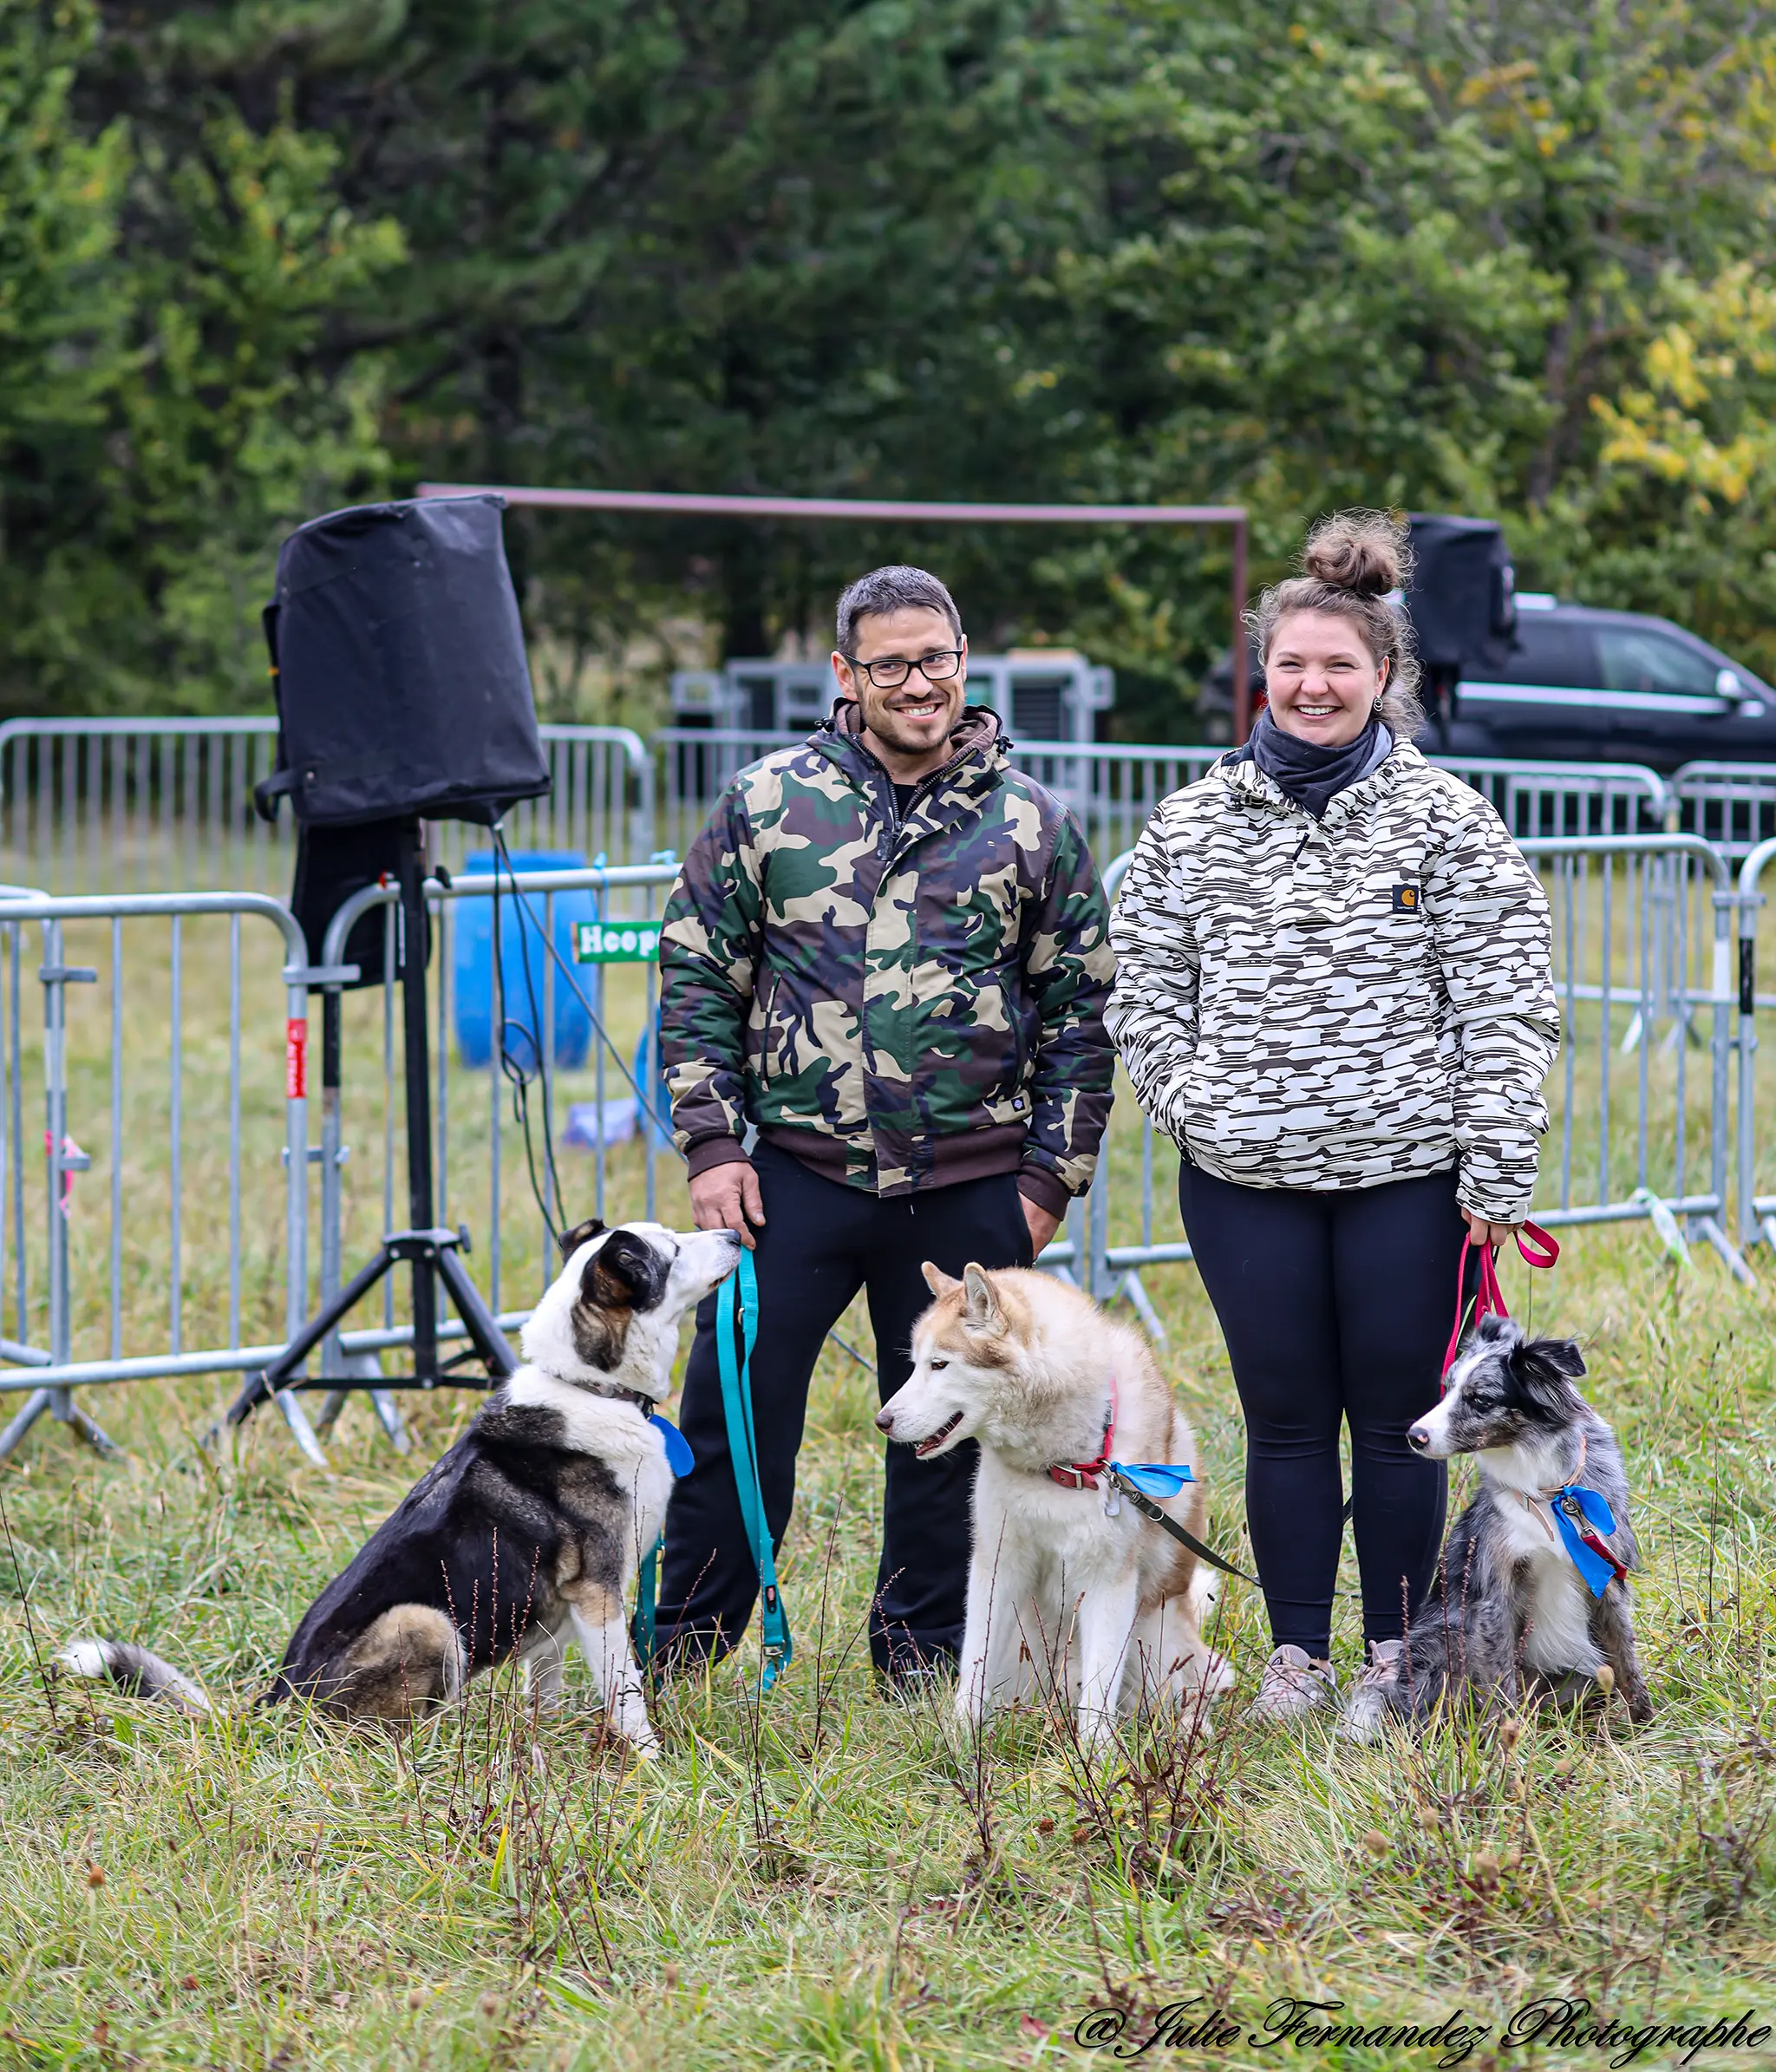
x=1069 y=1589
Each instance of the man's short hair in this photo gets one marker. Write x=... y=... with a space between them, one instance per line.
x=891 y=589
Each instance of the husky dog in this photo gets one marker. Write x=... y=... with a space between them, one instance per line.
x=530 y=1527
x=1054 y=1390
x=1514 y=1595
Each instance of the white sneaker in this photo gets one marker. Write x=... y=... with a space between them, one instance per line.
x=1368 y=1705
x=1294 y=1684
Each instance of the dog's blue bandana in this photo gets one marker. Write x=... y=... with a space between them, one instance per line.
x=679 y=1457
x=1594 y=1562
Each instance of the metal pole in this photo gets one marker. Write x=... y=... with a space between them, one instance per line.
x=1724 y=1002
x=332 y=1354
x=61 y=1164
x=417 y=1074
x=1750 y=899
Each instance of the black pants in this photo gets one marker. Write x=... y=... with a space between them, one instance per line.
x=821 y=1243
x=1335 y=1306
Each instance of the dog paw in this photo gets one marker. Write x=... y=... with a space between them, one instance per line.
x=1360 y=1720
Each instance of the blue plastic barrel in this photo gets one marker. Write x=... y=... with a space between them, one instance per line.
x=472 y=971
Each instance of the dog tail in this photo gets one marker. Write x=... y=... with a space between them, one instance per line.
x=1204 y=1590
x=134 y=1670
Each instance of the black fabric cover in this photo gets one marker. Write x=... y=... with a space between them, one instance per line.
x=402 y=686
x=1461 y=603
x=333 y=863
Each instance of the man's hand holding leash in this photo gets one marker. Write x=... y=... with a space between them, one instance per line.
x=727 y=1197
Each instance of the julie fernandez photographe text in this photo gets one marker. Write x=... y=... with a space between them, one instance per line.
x=1285 y=2025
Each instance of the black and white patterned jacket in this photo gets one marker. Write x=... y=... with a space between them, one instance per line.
x=1334 y=1003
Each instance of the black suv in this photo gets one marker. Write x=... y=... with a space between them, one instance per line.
x=1582 y=685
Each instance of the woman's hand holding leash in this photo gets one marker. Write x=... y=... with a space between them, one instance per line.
x=1481 y=1232
x=1535 y=1247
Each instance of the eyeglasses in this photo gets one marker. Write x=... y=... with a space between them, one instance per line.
x=894 y=671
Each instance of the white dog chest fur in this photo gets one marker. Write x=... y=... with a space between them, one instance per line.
x=1557 y=1635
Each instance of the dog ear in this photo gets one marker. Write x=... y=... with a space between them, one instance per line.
x=572 y=1239
x=983 y=1313
x=1561 y=1354
x=1546 y=1368
x=936 y=1280
x=617 y=1273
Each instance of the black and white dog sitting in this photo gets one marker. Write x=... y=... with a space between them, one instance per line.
x=531 y=1527
x=1534 y=1583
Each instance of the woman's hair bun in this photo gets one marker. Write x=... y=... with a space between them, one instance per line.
x=1367 y=552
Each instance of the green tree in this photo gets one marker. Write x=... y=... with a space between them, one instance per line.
x=63 y=325
x=165 y=411
x=1505 y=259
x=1418 y=256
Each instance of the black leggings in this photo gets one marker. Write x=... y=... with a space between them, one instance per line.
x=1334 y=1306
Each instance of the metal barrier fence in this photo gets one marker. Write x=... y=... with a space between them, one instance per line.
x=1113 y=788
x=225 y=1073
x=187 y=1087
x=1540 y=801
x=92 y=804
x=623 y=899
x=98 y=805
x=87 y=1285
x=1757 y=1209
x=1732 y=805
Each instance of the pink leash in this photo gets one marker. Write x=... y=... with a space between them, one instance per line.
x=1490 y=1302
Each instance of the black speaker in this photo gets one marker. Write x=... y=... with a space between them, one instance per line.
x=403 y=691
x=1462 y=602
x=333 y=863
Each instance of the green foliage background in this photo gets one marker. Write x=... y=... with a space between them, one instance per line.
x=1503 y=257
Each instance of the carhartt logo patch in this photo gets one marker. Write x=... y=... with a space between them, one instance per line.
x=1406 y=898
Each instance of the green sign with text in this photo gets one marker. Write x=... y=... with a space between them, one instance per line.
x=616 y=942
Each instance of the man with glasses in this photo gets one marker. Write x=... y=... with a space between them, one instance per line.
x=883 y=968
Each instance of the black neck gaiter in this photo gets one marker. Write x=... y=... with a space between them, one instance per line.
x=1309 y=773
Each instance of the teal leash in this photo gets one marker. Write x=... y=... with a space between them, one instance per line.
x=647 y=1596
x=740 y=1291
x=681 y=1460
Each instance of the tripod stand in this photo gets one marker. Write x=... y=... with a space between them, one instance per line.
x=433 y=1253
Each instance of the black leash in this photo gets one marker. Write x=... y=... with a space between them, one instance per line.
x=1148 y=1508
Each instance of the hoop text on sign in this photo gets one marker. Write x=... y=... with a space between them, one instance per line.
x=616 y=942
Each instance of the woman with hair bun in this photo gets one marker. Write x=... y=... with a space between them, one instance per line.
x=1334 y=990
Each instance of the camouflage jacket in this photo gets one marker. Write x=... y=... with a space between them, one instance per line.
x=1338 y=1003
x=901 y=1003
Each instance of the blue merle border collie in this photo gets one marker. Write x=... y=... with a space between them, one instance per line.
x=527 y=1533
x=1533 y=1585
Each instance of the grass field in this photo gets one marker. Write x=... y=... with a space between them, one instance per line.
x=828 y=1879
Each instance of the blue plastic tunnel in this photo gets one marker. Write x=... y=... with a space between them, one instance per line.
x=520 y=942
